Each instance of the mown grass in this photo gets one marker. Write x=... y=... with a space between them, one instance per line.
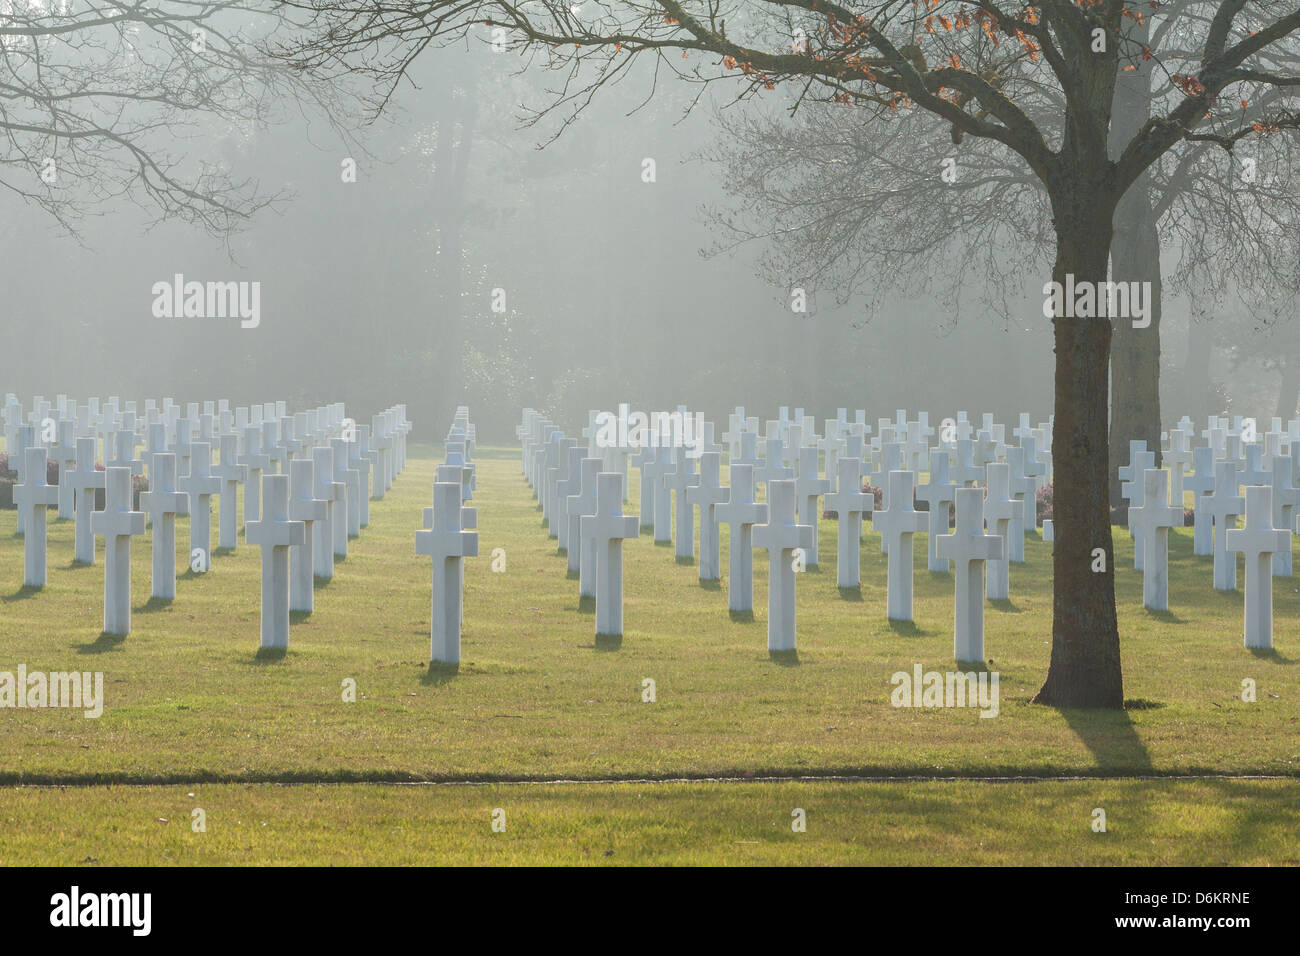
x=536 y=698
x=1216 y=822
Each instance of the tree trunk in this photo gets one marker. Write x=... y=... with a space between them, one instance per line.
x=1135 y=353
x=1288 y=394
x=1135 y=257
x=1085 y=665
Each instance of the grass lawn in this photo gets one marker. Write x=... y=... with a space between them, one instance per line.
x=188 y=702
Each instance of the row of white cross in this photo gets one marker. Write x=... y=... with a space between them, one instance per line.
x=1223 y=465
x=448 y=537
x=786 y=526
x=328 y=471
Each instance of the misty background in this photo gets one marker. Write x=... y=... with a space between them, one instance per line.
x=381 y=290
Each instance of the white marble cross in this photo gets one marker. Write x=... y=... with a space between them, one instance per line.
x=740 y=513
x=659 y=471
x=999 y=508
x=334 y=494
x=809 y=486
x=117 y=523
x=254 y=463
x=1177 y=459
x=1225 y=505
x=679 y=480
x=163 y=503
x=579 y=505
x=938 y=493
x=644 y=461
x=606 y=530
x=305 y=507
x=84 y=481
x=1151 y=522
x=232 y=475
x=1285 y=499
x=275 y=533
x=359 y=458
x=780 y=536
x=968 y=547
x=1201 y=485
x=348 y=507
x=569 y=487
x=33 y=497
x=1022 y=490
x=1258 y=542
x=707 y=494
x=448 y=544
x=200 y=484
x=1132 y=488
x=773 y=467
x=849 y=503
x=898 y=522
x=65 y=453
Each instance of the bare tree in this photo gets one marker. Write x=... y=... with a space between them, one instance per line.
x=99 y=97
x=887 y=55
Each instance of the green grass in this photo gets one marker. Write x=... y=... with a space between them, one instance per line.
x=536 y=698
x=1218 y=822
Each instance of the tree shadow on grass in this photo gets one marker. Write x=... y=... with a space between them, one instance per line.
x=1006 y=605
x=1111 y=737
x=784 y=658
x=152 y=605
x=851 y=594
x=22 y=594
x=102 y=644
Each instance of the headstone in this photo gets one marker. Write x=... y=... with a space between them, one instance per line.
x=707 y=495
x=1132 y=489
x=359 y=459
x=348 y=507
x=1151 y=523
x=606 y=530
x=33 y=497
x=679 y=480
x=275 y=533
x=117 y=523
x=740 y=514
x=200 y=484
x=305 y=507
x=898 y=523
x=255 y=463
x=780 y=536
x=1201 y=485
x=163 y=503
x=568 y=487
x=334 y=494
x=84 y=481
x=849 y=503
x=448 y=544
x=660 y=470
x=231 y=474
x=1285 y=499
x=65 y=453
x=1225 y=506
x=808 y=489
x=1258 y=542
x=999 y=509
x=579 y=505
x=937 y=492
x=968 y=547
